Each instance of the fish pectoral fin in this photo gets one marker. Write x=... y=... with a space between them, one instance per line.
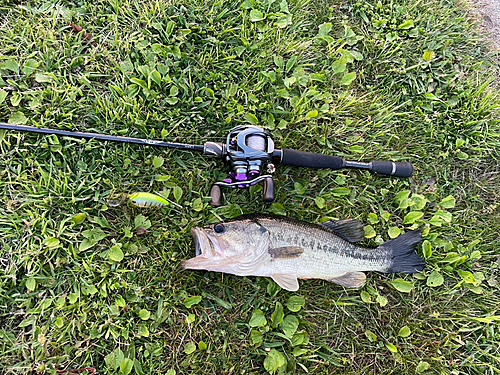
x=286 y=281
x=349 y=229
x=350 y=279
x=285 y=252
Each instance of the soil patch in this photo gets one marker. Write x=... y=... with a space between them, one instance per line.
x=488 y=12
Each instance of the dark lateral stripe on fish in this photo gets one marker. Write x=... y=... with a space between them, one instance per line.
x=350 y=250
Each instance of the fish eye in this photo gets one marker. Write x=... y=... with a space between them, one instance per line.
x=219 y=228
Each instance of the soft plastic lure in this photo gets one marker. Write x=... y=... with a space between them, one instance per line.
x=147 y=200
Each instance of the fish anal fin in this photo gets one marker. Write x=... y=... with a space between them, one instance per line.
x=350 y=279
x=286 y=281
x=349 y=229
x=286 y=252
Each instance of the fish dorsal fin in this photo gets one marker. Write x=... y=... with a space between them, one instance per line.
x=286 y=281
x=286 y=252
x=349 y=229
x=350 y=279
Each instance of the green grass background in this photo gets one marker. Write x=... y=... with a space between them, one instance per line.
x=390 y=80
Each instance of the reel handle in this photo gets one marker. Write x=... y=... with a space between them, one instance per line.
x=216 y=196
x=268 y=190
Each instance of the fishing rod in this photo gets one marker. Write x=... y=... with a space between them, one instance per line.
x=249 y=150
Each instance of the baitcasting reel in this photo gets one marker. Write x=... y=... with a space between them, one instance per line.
x=248 y=151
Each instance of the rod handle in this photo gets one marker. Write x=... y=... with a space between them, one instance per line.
x=390 y=168
x=310 y=159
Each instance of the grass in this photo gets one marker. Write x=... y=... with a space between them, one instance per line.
x=401 y=80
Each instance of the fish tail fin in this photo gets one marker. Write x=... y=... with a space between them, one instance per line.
x=402 y=253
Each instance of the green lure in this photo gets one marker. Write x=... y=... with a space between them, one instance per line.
x=147 y=200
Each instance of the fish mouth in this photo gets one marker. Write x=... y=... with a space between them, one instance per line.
x=205 y=250
x=197 y=241
x=203 y=244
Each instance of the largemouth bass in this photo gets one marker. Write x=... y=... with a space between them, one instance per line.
x=287 y=249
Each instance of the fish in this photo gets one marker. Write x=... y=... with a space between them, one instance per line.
x=288 y=249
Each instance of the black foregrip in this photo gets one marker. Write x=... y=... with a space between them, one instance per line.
x=310 y=159
x=389 y=168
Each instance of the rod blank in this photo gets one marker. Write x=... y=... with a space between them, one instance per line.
x=102 y=137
